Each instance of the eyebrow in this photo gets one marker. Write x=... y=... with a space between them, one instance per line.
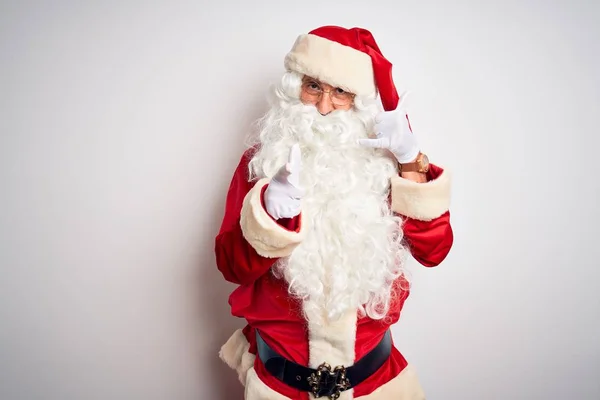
x=313 y=80
x=307 y=79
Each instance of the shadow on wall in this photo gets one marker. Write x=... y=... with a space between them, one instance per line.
x=216 y=323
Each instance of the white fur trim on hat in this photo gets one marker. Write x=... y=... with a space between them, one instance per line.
x=332 y=63
x=236 y=355
x=268 y=238
x=422 y=201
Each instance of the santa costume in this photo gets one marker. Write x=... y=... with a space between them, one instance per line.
x=319 y=291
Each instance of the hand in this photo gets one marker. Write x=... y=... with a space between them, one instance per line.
x=283 y=194
x=394 y=133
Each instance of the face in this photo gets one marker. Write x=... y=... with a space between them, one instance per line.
x=325 y=97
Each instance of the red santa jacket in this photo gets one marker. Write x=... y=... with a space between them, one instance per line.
x=250 y=242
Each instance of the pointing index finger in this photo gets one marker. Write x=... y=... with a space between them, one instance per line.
x=295 y=158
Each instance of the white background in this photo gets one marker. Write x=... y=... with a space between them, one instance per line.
x=121 y=124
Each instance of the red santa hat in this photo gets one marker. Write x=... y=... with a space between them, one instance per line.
x=346 y=58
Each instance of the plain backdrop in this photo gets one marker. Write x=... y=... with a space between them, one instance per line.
x=121 y=123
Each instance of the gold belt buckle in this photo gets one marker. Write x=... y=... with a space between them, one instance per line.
x=325 y=382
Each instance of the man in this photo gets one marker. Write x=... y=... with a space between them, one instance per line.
x=322 y=209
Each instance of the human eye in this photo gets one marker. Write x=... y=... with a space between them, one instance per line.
x=314 y=86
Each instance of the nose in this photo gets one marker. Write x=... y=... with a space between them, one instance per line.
x=324 y=105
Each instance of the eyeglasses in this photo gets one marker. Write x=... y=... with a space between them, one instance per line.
x=313 y=92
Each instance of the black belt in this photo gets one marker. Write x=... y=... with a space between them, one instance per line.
x=324 y=381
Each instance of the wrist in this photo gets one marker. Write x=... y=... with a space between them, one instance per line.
x=419 y=177
x=416 y=169
x=408 y=157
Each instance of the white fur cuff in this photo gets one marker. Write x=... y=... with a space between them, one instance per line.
x=268 y=238
x=422 y=201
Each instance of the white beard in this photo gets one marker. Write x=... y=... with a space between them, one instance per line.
x=352 y=251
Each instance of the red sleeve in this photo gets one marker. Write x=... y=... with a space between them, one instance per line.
x=429 y=241
x=237 y=260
